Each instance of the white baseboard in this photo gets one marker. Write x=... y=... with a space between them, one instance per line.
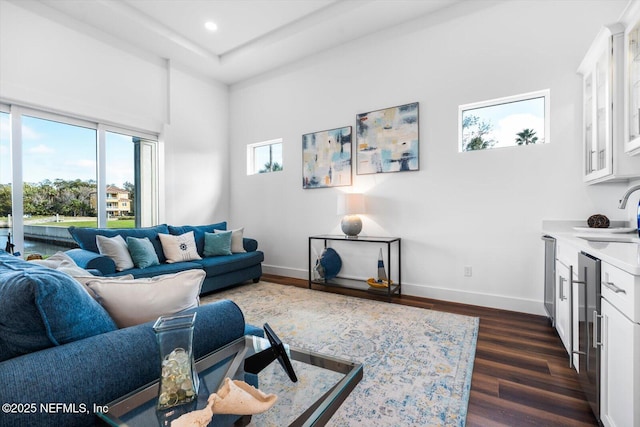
x=465 y=297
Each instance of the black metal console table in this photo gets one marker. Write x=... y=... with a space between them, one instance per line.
x=361 y=285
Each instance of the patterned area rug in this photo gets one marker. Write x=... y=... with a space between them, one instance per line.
x=417 y=363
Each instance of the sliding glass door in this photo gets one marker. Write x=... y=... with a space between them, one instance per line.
x=69 y=172
x=5 y=180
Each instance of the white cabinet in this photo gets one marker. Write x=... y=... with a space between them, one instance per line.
x=632 y=79
x=620 y=352
x=602 y=70
x=563 y=305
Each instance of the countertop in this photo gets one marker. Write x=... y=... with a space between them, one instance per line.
x=625 y=256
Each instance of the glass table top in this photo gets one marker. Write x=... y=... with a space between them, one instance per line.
x=323 y=384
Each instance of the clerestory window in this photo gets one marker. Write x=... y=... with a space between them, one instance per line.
x=263 y=157
x=517 y=120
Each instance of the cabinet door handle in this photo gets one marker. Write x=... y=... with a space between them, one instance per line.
x=614 y=288
x=562 y=280
x=595 y=329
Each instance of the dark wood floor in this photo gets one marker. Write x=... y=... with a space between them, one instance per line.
x=521 y=374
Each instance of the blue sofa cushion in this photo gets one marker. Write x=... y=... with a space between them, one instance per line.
x=250 y=245
x=92 y=261
x=41 y=308
x=86 y=237
x=215 y=266
x=198 y=232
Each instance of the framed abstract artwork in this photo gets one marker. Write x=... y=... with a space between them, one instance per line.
x=388 y=140
x=326 y=158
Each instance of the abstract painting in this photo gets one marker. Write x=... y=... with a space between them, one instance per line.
x=326 y=158
x=388 y=140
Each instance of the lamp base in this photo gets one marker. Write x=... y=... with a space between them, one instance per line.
x=351 y=226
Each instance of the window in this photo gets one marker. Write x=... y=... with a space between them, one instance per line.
x=68 y=172
x=5 y=179
x=264 y=157
x=505 y=122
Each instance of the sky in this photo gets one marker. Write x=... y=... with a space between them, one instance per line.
x=53 y=150
x=511 y=118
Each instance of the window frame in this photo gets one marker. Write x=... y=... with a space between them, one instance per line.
x=16 y=113
x=252 y=168
x=544 y=93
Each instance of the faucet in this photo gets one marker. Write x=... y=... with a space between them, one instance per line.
x=623 y=201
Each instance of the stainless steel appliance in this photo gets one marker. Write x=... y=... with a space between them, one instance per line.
x=589 y=329
x=550 y=277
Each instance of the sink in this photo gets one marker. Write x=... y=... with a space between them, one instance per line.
x=611 y=239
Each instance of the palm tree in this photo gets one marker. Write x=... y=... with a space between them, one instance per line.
x=526 y=137
x=271 y=167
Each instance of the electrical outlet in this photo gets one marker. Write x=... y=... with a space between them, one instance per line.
x=467 y=271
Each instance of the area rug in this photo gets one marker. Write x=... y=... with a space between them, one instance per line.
x=417 y=362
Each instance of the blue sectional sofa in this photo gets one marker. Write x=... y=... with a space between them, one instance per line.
x=59 y=346
x=222 y=271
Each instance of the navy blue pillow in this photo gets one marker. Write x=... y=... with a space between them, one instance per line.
x=42 y=307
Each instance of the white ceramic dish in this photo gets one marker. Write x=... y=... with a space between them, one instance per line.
x=606 y=230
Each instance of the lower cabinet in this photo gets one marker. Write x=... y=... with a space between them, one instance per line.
x=563 y=305
x=620 y=369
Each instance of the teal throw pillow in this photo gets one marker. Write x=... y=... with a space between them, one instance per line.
x=142 y=252
x=216 y=244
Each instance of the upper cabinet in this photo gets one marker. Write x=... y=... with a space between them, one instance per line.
x=631 y=20
x=603 y=75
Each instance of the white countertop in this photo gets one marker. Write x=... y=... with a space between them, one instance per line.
x=625 y=256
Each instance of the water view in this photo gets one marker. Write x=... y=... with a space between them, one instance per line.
x=37 y=247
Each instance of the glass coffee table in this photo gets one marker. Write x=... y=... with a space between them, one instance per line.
x=323 y=384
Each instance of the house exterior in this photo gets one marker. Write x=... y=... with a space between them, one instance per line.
x=118 y=203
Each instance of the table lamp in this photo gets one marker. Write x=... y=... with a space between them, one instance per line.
x=350 y=205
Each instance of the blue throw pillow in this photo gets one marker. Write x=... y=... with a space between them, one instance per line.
x=142 y=252
x=41 y=308
x=216 y=244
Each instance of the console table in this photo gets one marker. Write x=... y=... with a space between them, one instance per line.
x=361 y=284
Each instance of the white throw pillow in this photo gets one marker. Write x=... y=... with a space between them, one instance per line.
x=179 y=248
x=116 y=249
x=135 y=301
x=84 y=279
x=56 y=260
x=62 y=262
x=237 y=245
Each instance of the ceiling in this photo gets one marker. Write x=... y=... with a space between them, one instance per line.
x=253 y=36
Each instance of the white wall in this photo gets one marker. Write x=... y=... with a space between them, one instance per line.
x=47 y=65
x=197 y=159
x=481 y=209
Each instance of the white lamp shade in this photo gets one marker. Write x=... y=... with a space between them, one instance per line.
x=351 y=204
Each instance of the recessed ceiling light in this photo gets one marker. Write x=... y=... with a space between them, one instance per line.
x=211 y=26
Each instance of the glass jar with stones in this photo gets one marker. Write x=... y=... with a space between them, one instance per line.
x=178 y=376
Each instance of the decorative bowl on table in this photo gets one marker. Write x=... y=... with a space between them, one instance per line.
x=379 y=284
